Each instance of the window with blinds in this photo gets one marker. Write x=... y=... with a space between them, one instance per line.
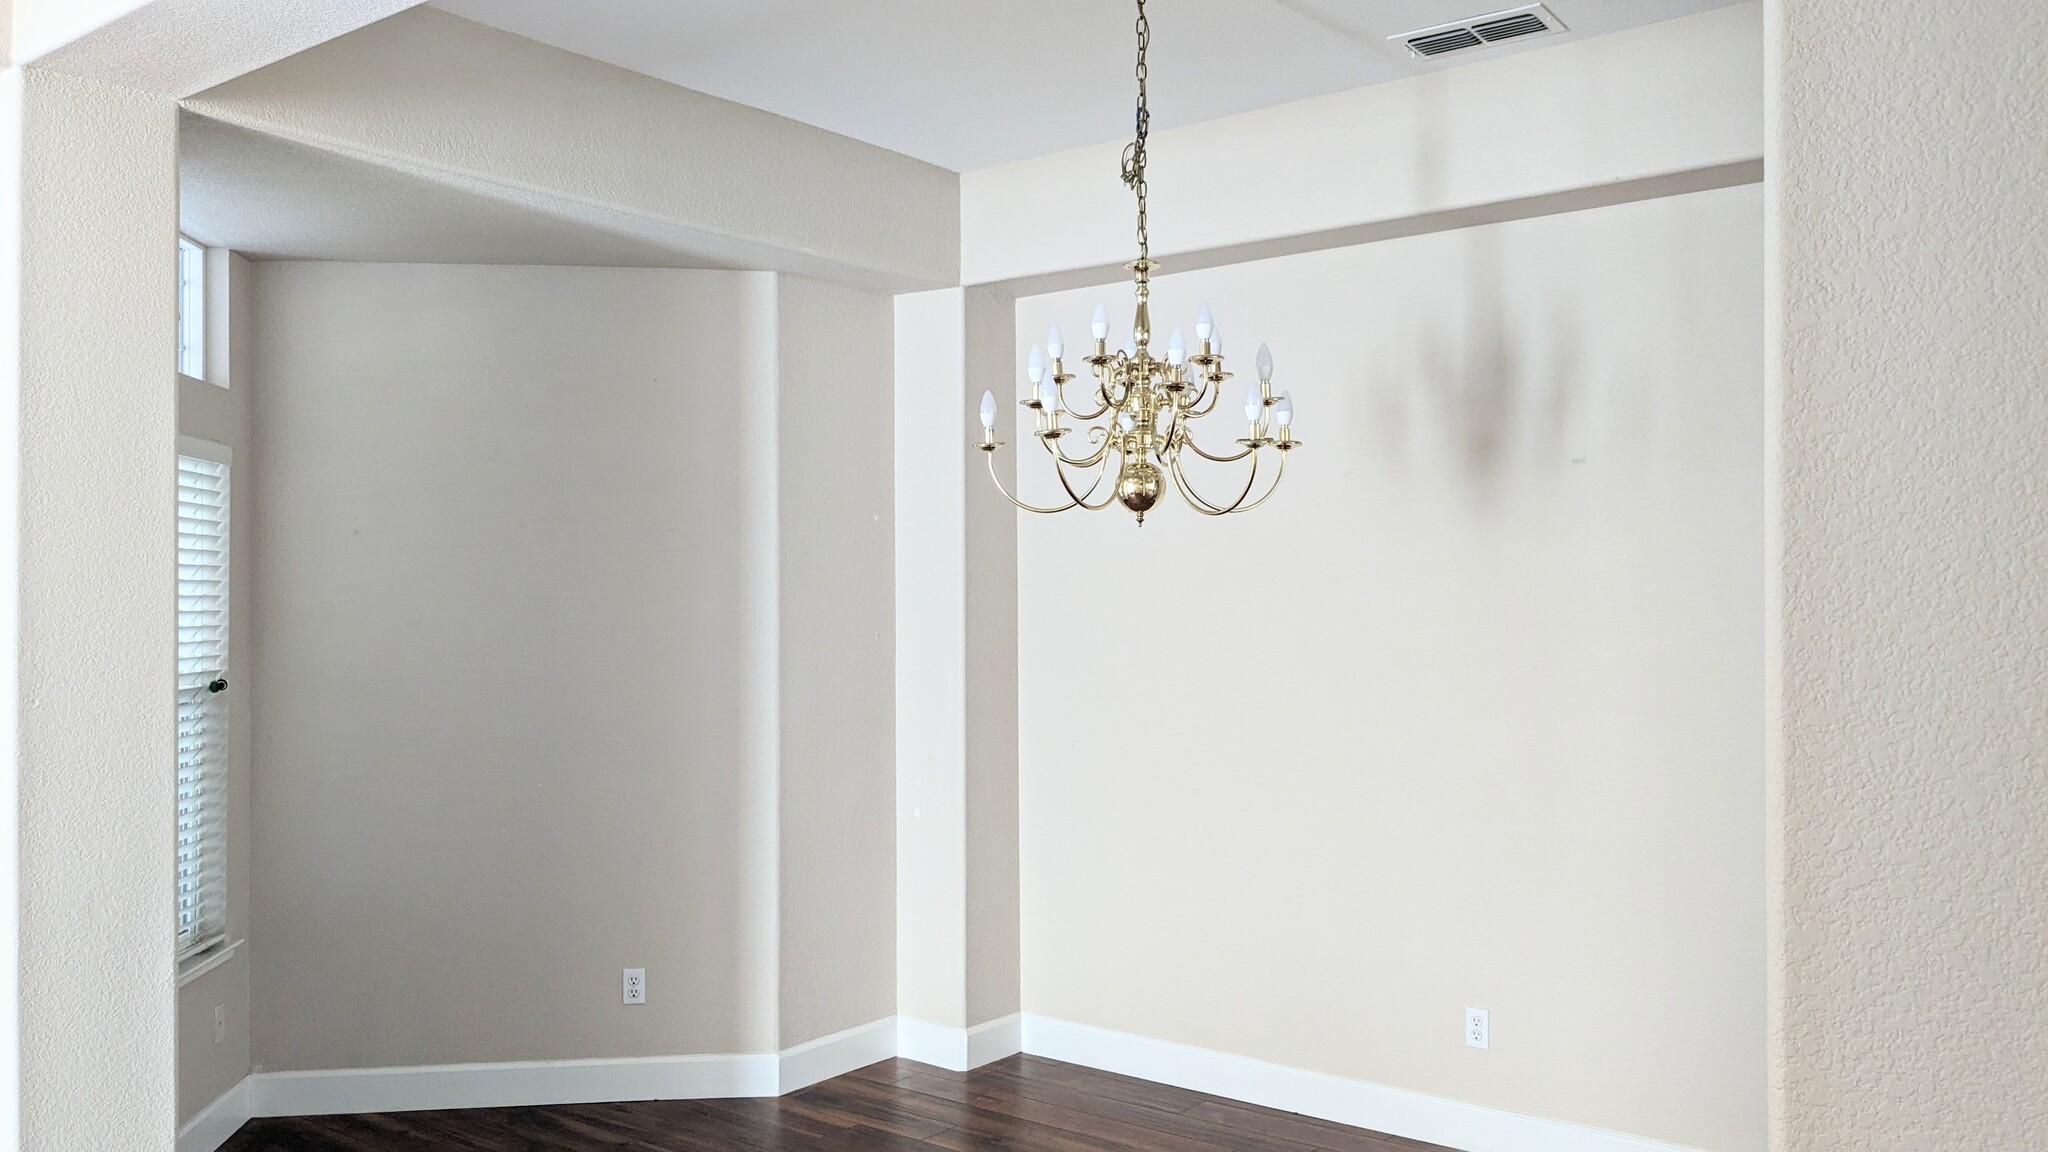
x=191 y=309
x=202 y=699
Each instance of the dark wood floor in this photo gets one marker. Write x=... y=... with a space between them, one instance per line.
x=1023 y=1103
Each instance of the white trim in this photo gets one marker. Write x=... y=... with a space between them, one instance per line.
x=959 y=1049
x=1376 y=1107
x=509 y=1085
x=200 y=963
x=206 y=449
x=1359 y=1103
x=835 y=1055
x=995 y=1040
x=536 y=1082
x=217 y=1121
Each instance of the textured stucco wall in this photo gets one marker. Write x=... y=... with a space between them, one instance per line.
x=97 y=234
x=1908 y=310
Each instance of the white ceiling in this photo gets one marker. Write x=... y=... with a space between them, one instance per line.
x=970 y=83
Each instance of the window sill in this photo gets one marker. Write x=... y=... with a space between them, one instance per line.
x=200 y=963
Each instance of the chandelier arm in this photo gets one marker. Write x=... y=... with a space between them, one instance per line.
x=1019 y=503
x=1190 y=442
x=1212 y=389
x=1095 y=415
x=1278 y=476
x=1201 y=503
x=1099 y=435
x=1082 y=500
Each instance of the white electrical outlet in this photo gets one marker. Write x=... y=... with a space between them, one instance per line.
x=220 y=1024
x=636 y=985
x=1475 y=1027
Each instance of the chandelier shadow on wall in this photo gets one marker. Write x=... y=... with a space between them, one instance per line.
x=1147 y=405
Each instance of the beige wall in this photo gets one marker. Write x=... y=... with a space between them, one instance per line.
x=216 y=410
x=956 y=665
x=91 y=231
x=1909 y=501
x=574 y=632
x=1469 y=715
x=837 y=960
x=511 y=632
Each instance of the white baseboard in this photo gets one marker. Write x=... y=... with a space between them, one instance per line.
x=1358 y=1103
x=332 y=1091
x=340 y=1090
x=217 y=1121
x=835 y=1055
x=1355 y=1102
x=959 y=1049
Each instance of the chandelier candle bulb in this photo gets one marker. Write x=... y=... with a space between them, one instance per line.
x=1137 y=416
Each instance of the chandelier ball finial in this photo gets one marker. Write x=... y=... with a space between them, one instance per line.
x=1138 y=487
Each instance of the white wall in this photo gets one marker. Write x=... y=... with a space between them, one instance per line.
x=511 y=639
x=1909 y=501
x=1469 y=714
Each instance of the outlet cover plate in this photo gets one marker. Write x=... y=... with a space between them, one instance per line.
x=1475 y=1027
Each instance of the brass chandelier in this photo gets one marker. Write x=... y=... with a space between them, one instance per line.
x=1147 y=405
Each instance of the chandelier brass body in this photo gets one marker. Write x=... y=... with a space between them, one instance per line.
x=1147 y=404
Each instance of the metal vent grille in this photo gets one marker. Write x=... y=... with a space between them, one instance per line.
x=1480 y=31
x=1507 y=28
x=1438 y=43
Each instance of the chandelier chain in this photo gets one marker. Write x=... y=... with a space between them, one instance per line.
x=1134 y=153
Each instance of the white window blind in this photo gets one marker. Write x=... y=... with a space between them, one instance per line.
x=202 y=710
x=191 y=309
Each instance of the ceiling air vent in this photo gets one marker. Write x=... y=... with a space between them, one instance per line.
x=1480 y=31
